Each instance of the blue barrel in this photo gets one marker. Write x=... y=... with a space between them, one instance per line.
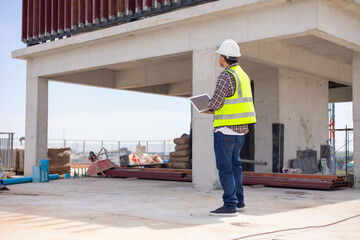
x=36 y=173
x=44 y=170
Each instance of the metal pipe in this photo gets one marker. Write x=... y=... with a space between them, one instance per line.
x=30 y=20
x=112 y=9
x=24 y=20
x=96 y=11
x=10 y=181
x=81 y=15
x=104 y=11
x=88 y=13
x=67 y=24
x=61 y=5
x=74 y=14
x=120 y=8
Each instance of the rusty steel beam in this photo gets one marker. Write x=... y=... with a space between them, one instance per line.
x=96 y=11
x=147 y=5
x=130 y=173
x=88 y=13
x=54 y=17
x=24 y=21
x=112 y=9
x=81 y=16
x=130 y=7
x=61 y=12
x=138 y=6
x=67 y=24
x=30 y=13
x=104 y=11
x=120 y=8
x=42 y=19
x=35 y=20
x=74 y=14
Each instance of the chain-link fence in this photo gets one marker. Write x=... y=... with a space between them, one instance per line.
x=80 y=148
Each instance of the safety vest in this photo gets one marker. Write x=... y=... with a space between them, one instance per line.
x=239 y=108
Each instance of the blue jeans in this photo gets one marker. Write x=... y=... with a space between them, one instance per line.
x=227 y=152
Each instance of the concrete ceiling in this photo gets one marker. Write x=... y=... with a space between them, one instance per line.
x=322 y=47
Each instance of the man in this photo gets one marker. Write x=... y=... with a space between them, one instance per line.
x=233 y=107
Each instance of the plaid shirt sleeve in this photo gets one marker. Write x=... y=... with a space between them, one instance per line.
x=225 y=87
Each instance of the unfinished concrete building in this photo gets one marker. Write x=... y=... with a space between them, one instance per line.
x=300 y=54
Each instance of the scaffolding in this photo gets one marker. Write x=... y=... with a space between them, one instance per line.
x=6 y=150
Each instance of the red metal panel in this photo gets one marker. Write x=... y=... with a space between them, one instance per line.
x=130 y=7
x=24 y=21
x=54 y=17
x=61 y=12
x=157 y=4
x=67 y=25
x=104 y=10
x=47 y=18
x=147 y=4
x=88 y=13
x=121 y=8
x=138 y=6
x=112 y=9
x=74 y=14
x=81 y=23
x=30 y=20
x=96 y=11
x=42 y=19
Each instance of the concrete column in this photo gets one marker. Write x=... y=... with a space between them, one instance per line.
x=36 y=122
x=205 y=71
x=356 y=117
x=266 y=101
x=303 y=109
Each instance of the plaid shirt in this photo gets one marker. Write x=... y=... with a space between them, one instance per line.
x=225 y=87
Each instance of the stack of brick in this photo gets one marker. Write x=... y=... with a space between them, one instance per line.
x=181 y=158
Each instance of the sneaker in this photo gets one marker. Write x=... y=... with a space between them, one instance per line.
x=240 y=206
x=224 y=211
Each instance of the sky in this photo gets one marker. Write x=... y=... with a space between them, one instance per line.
x=90 y=113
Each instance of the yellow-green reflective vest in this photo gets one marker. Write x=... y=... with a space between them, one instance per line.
x=239 y=108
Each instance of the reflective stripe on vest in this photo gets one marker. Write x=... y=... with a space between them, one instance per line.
x=239 y=108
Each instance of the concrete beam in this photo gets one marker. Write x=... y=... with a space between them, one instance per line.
x=280 y=54
x=338 y=24
x=181 y=88
x=341 y=94
x=36 y=126
x=99 y=78
x=172 y=72
x=356 y=117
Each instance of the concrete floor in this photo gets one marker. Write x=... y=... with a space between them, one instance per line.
x=110 y=208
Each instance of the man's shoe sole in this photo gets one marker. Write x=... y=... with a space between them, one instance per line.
x=235 y=214
x=240 y=209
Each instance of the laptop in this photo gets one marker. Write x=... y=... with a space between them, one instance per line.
x=200 y=102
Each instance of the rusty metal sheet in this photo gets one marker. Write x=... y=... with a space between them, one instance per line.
x=157 y=4
x=81 y=14
x=24 y=21
x=88 y=13
x=130 y=7
x=104 y=10
x=61 y=12
x=129 y=173
x=167 y=2
x=120 y=8
x=96 y=11
x=30 y=13
x=112 y=9
x=74 y=14
x=41 y=19
x=138 y=6
x=67 y=24
x=54 y=17
x=47 y=18
x=147 y=5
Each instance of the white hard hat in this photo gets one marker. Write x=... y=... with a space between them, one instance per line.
x=229 y=48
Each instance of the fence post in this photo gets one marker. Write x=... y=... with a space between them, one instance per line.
x=102 y=144
x=64 y=143
x=147 y=146
x=84 y=148
x=164 y=148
